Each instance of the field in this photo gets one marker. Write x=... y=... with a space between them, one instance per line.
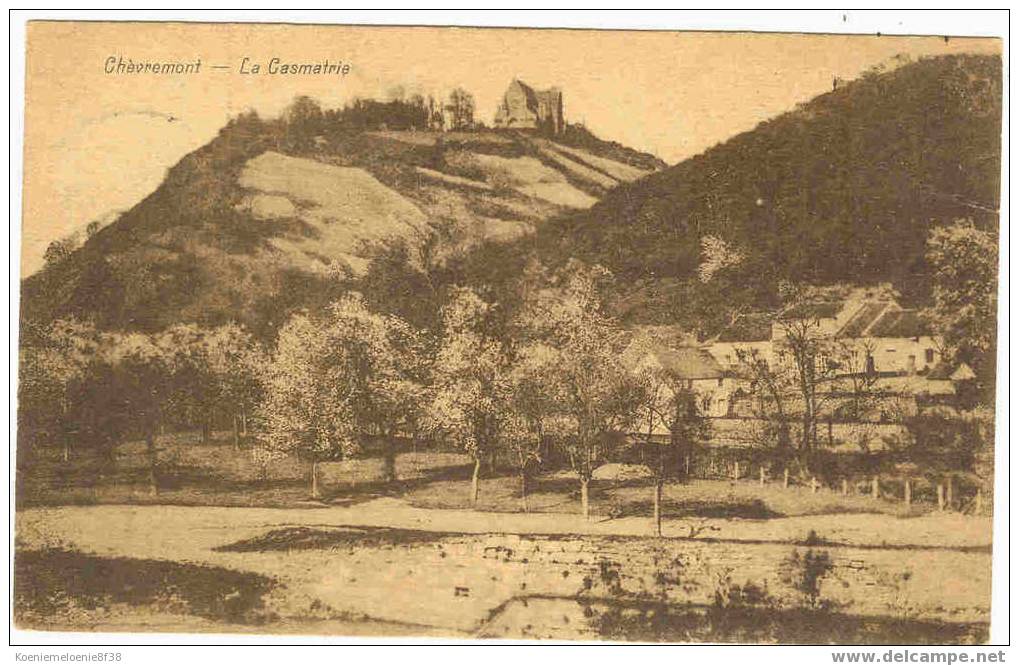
x=223 y=548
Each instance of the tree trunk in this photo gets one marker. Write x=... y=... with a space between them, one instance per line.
x=237 y=433
x=475 y=481
x=244 y=423
x=585 y=504
x=151 y=453
x=658 y=506
x=523 y=489
x=389 y=460
x=205 y=431
x=907 y=491
x=950 y=493
x=784 y=437
x=805 y=434
x=314 y=481
x=67 y=449
x=875 y=488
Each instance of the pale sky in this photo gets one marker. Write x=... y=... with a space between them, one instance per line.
x=97 y=143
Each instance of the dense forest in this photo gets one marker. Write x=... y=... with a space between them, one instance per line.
x=845 y=188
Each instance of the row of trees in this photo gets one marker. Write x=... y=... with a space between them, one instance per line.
x=545 y=379
x=304 y=118
x=80 y=387
x=526 y=375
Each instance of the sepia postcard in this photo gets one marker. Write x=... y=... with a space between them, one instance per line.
x=502 y=333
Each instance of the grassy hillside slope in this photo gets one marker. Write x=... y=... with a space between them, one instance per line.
x=259 y=222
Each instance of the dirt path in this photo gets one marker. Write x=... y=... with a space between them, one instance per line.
x=462 y=564
x=934 y=531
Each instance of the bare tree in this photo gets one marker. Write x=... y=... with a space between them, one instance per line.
x=461 y=109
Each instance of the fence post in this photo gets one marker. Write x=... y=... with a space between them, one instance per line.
x=907 y=491
x=762 y=476
x=813 y=485
x=875 y=488
x=941 y=496
x=845 y=487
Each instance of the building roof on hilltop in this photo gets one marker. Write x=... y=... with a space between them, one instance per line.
x=688 y=362
x=528 y=91
x=898 y=323
x=755 y=327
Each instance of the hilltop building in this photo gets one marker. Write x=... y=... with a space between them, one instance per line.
x=523 y=107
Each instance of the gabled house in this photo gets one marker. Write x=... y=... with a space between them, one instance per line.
x=888 y=338
x=894 y=339
x=685 y=368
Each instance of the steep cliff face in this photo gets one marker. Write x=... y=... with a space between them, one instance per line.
x=256 y=224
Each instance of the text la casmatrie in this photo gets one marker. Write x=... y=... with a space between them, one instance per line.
x=274 y=66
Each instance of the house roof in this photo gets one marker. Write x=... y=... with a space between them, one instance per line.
x=813 y=310
x=864 y=318
x=898 y=323
x=754 y=327
x=946 y=371
x=688 y=362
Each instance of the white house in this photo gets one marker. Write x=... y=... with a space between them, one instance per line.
x=690 y=368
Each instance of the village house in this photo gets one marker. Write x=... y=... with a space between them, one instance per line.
x=888 y=338
x=883 y=349
x=688 y=368
x=523 y=107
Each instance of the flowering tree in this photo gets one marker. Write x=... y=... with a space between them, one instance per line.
x=472 y=384
x=302 y=411
x=336 y=380
x=533 y=416
x=596 y=397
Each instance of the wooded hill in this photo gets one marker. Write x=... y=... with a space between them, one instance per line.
x=277 y=215
x=842 y=189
